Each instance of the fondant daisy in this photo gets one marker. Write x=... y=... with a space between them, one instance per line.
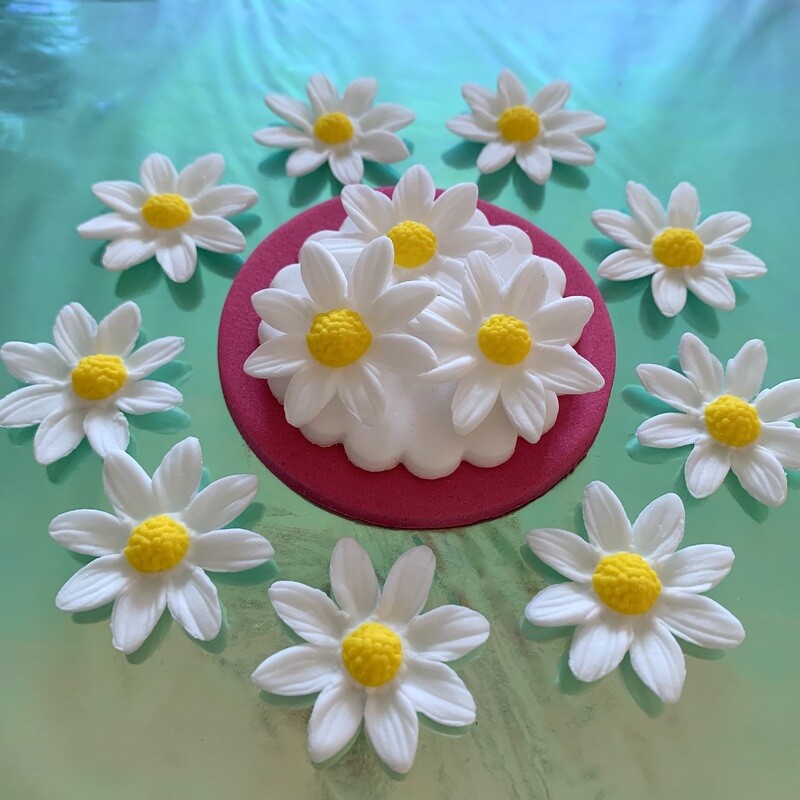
x=505 y=342
x=152 y=552
x=344 y=131
x=372 y=656
x=82 y=386
x=675 y=250
x=630 y=591
x=430 y=236
x=732 y=424
x=339 y=339
x=169 y=216
x=535 y=130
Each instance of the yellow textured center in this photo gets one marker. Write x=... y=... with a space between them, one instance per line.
x=372 y=654
x=504 y=339
x=338 y=338
x=414 y=244
x=156 y=544
x=626 y=583
x=732 y=421
x=678 y=247
x=519 y=124
x=334 y=128
x=166 y=211
x=98 y=377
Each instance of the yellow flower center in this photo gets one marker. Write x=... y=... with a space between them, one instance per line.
x=519 y=124
x=334 y=128
x=626 y=583
x=414 y=244
x=157 y=544
x=166 y=211
x=98 y=377
x=678 y=247
x=338 y=338
x=504 y=339
x=732 y=421
x=372 y=654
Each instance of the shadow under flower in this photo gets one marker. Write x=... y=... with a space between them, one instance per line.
x=188 y=295
x=60 y=470
x=309 y=188
x=382 y=174
x=171 y=421
x=758 y=512
x=645 y=698
x=463 y=155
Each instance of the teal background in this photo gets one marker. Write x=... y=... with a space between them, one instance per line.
x=699 y=91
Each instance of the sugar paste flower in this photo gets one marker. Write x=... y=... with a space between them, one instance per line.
x=339 y=340
x=732 y=424
x=505 y=341
x=372 y=656
x=534 y=130
x=82 y=386
x=631 y=590
x=430 y=236
x=344 y=131
x=675 y=250
x=169 y=216
x=153 y=553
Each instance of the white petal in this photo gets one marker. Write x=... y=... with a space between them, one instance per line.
x=353 y=581
x=526 y=290
x=783 y=441
x=658 y=530
x=745 y=372
x=669 y=292
x=568 y=149
x=310 y=390
x=659 y=661
x=467 y=127
x=178 y=475
x=606 y=522
x=124 y=196
x=733 y=261
x=494 y=156
x=34 y=363
x=309 y=612
x=581 y=123
x=437 y=692
x=627 y=265
x=136 y=611
x=109 y=226
x=146 y=397
x=178 y=260
x=674 y=389
x=59 y=434
x=670 y=430
x=711 y=286
x=359 y=96
x=452 y=370
x=482 y=289
x=392 y=726
x=216 y=234
x=525 y=405
x=90 y=532
x=459 y=243
x=700 y=366
x=282 y=310
x=562 y=321
x=305 y=160
x=447 y=633
x=700 y=620
x=371 y=272
x=480 y=99
x=200 y=175
x=563 y=371
x=598 y=647
x=193 y=602
x=645 y=207
x=760 y=474
x=106 y=430
x=382 y=146
x=231 y=550
x=127 y=251
x=296 y=671
x=74 y=332
x=347 y=166
x=779 y=403
x=335 y=720
x=697 y=568
x=323 y=95
x=363 y=395
x=474 y=398
x=387 y=116
x=400 y=352
x=510 y=90
x=413 y=195
x=406 y=588
x=370 y=211
x=220 y=502
x=683 y=209
x=620 y=227
x=153 y=355
x=222 y=201
x=723 y=228
x=563 y=604
x=31 y=404
x=565 y=552
x=454 y=208
x=94 y=585
x=706 y=467
x=127 y=487
x=293 y=111
x=549 y=99
x=322 y=276
x=118 y=331
x=279 y=357
x=158 y=175
x=536 y=162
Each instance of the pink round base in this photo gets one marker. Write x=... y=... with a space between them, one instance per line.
x=396 y=498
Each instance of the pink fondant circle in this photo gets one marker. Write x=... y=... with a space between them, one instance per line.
x=396 y=498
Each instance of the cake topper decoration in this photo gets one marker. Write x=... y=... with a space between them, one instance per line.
x=152 y=552
x=631 y=590
x=82 y=385
x=679 y=254
x=535 y=130
x=730 y=422
x=169 y=215
x=342 y=130
x=371 y=656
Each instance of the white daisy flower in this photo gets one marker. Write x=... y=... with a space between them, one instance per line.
x=82 y=386
x=535 y=130
x=431 y=237
x=630 y=591
x=372 y=656
x=153 y=553
x=344 y=131
x=505 y=342
x=732 y=424
x=341 y=338
x=169 y=216
x=675 y=250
